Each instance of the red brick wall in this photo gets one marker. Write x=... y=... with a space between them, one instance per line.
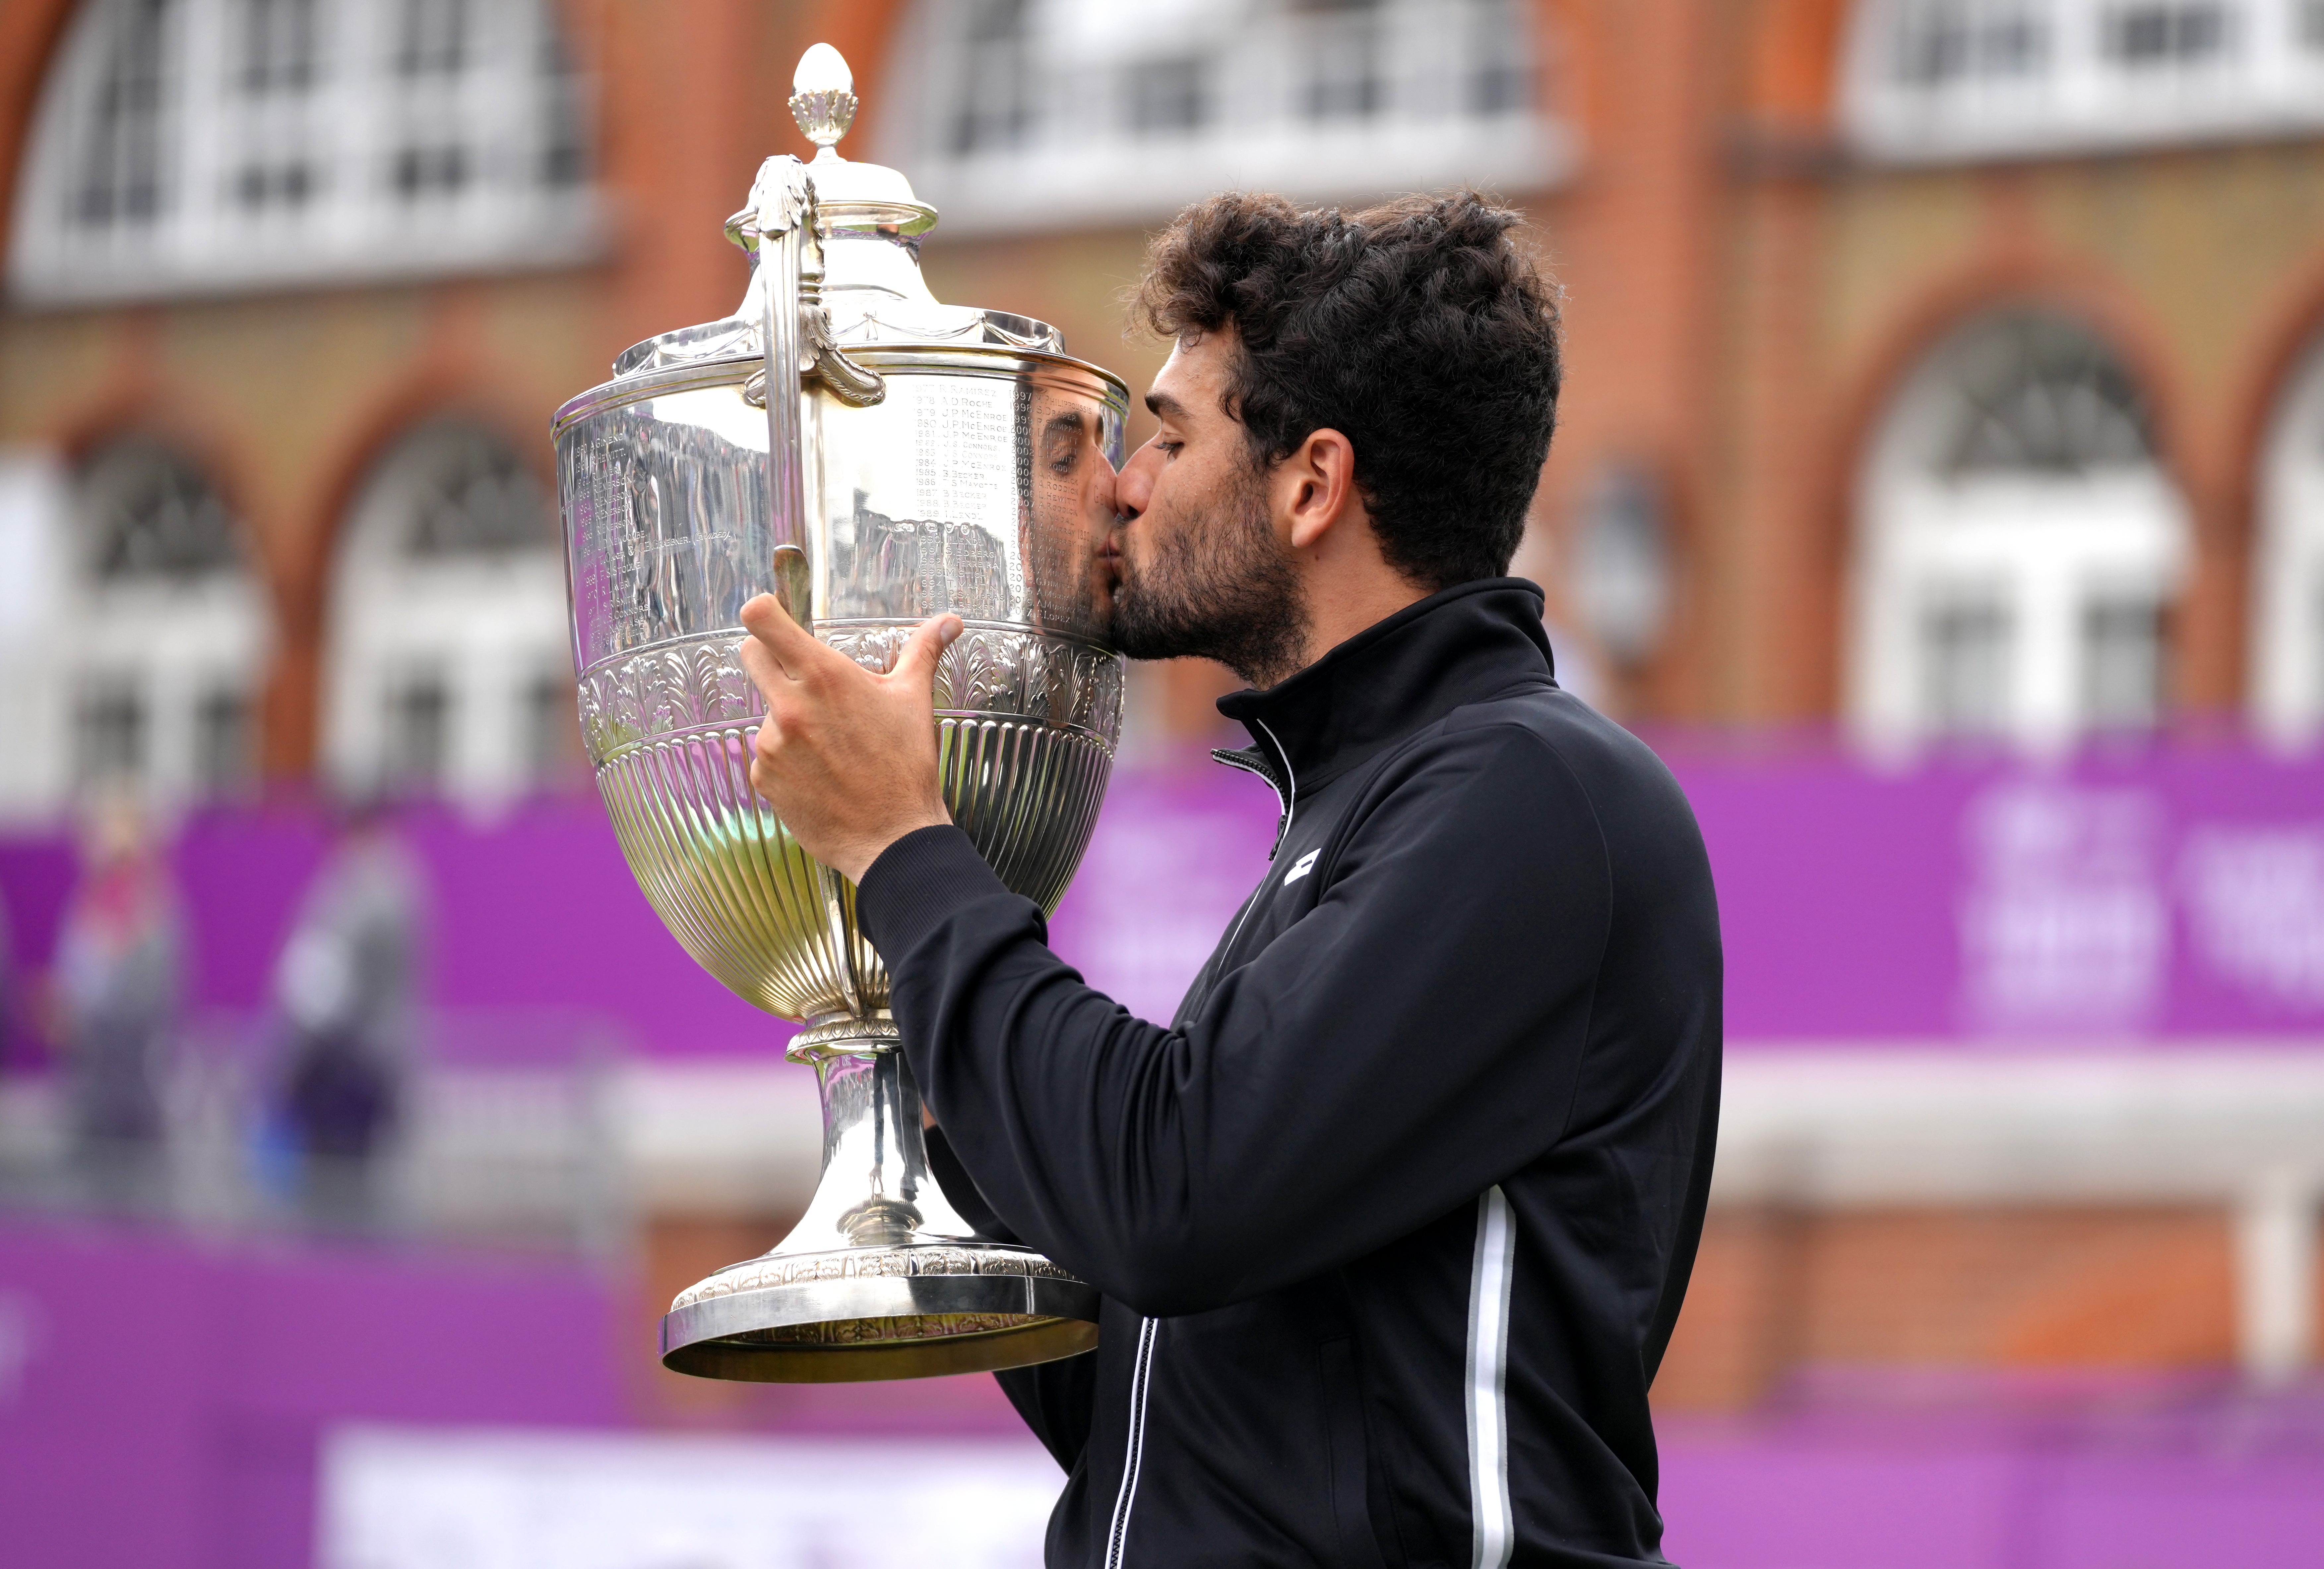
x=1997 y=1288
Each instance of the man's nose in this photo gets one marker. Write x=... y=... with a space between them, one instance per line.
x=1133 y=488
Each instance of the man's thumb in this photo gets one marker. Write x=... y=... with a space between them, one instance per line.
x=917 y=665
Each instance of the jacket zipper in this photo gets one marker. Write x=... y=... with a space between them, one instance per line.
x=1287 y=797
x=1285 y=787
x=1134 y=1452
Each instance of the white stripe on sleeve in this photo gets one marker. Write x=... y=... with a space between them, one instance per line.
x=1495 y=1536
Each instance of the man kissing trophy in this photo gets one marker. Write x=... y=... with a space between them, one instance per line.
x=872 y=458
x=1389 y=1228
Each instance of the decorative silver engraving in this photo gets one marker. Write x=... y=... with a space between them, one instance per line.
x=988 y=671
x=866 y=1263
x=906 y=1327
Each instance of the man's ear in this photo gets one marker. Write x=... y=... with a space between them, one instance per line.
x=1316 y=487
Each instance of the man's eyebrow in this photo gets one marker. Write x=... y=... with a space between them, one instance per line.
x=1162 y=406
x=1071 y=419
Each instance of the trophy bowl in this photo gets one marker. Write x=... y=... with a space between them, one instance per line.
x=873 y=458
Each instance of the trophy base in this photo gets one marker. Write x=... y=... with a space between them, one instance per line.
x=852 y=1315
x=882 y=1278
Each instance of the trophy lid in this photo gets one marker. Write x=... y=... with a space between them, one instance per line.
x=872 y=225
x=857 y=194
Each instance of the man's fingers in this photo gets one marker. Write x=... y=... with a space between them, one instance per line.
x=916 y=666
x=770 y=626
x=759 y=664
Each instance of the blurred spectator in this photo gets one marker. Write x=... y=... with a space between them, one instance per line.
x=118 y=986
x=345 y=986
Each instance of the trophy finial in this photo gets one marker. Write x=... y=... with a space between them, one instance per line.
x=822 y=98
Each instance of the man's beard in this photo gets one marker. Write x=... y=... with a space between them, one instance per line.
x=1220 y=586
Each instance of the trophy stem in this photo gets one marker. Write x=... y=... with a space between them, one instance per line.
x=882 y=1278
x=876 y=1189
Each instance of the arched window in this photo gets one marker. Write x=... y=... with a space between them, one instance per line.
x=168 y=631
x=1930 y=80
x=2018 y=547
x=1031 y=113
x=449 y=668
x=185 y=146
x=2287 y=596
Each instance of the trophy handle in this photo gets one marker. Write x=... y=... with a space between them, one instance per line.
x=782 y=213
x=780 y=228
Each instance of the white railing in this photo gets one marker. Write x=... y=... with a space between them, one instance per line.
x=528 y=1154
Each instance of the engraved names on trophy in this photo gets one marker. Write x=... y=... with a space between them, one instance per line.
x=963 y=460
x=965 y=480
x=598 y=530
x=629 y=578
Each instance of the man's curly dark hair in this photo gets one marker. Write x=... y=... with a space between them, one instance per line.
x=1417 y=329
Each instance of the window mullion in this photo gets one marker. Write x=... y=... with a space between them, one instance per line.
x=190 y=239
x=351 y=223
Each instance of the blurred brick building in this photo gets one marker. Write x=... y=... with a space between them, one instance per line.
x=1852 y=292
x=1945 y=370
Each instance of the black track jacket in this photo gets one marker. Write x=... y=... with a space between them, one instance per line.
x=1393 y=1222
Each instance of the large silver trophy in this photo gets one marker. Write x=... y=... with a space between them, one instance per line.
x=872 y=458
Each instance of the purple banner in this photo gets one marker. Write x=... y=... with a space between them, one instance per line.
x=2169 y=896
x=533 y=914
x=2176 y=895
x=1954 y=1471
x=160 y=1401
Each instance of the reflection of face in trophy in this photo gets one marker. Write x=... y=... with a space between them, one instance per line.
x=1069 y=506
x=872 y=457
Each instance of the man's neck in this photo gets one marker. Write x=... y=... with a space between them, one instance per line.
x=1340 y=611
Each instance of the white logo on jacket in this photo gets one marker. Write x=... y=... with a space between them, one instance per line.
x=1301 y=868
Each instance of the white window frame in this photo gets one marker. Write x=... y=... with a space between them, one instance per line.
x=2266 y=81
x=37 y=588
x=1083 y=164
x=168 y=644
x=355 y=227
x=171 y=643
x=2044 y=549
x=489 y=626
x=2286 y=623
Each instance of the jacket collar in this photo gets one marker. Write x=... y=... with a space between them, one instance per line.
x=1459 y=645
